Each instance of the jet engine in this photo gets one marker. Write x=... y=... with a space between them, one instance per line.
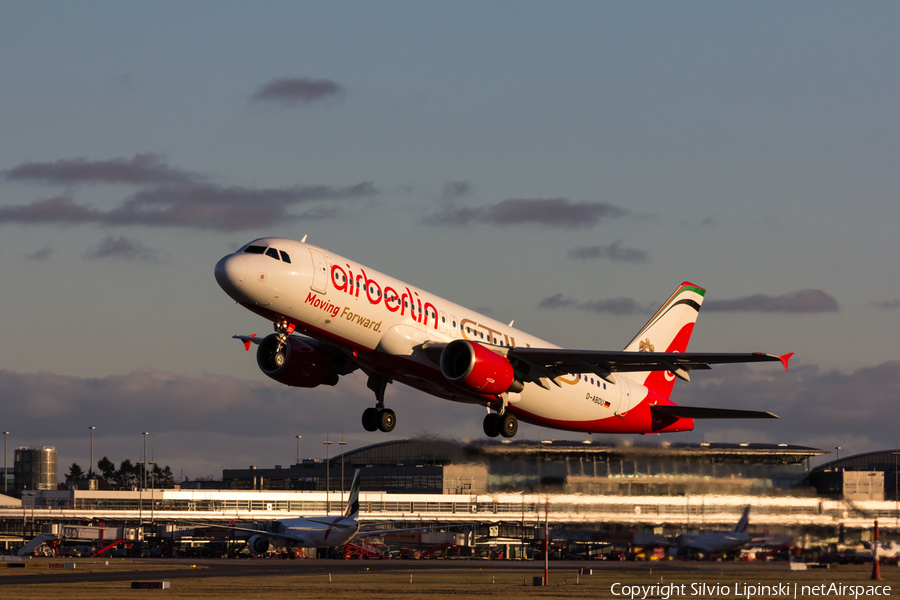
x=258 y=544
x=296 y=364
x=472 y=366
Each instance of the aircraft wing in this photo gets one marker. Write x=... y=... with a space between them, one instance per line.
x=242 y=529
x=390 y=531
x=602 y=363
x=699 y=412
x=550 y=363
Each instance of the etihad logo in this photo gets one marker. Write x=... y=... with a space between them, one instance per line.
x=645 y=346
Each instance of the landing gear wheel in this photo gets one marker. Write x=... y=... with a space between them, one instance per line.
x=491 y=425
x=509 y=425
x=278 y=360
x=370 y=419
x=387 y=420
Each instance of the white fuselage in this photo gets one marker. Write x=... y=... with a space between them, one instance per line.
x=713 y=543
x=324 y=532
x=382 y=323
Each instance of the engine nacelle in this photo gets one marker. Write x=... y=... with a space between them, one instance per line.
x=471 y=365
x=258 y=544
x=297 y=364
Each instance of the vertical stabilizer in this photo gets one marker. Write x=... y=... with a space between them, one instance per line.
x=669 y=330
x=352 y=510
x=744 y=523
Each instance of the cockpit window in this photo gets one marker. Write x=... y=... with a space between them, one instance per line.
x=255 y=249
x=285 y=257
x=273 y=253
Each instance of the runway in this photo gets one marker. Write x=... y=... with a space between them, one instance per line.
x=337 y=579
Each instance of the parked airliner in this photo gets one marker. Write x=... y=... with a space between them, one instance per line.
x=717 y=542
x=322 y=532
x=333 y=316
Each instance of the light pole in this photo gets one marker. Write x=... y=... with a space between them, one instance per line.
x=144 y=464
x=327 y=477
x=896 y=497
x=91 y=465
x=143 y=479
x=298 y=447
x=342 y=443
x=838 y=449
x=5 y=474
x=151 y=491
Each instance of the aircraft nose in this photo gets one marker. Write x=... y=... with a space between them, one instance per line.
x=231 y=271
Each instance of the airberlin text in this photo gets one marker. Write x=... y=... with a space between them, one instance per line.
x=746 y=590
x=359 y=284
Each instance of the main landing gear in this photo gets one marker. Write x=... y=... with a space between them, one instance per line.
x=378 y=417
x=496 y=424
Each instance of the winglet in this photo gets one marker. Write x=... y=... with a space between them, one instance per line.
x=784 y=358
x=246 y=341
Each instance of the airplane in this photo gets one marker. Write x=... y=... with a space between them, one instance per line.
x=324 y=532
x=332 y=316
x=716 y=543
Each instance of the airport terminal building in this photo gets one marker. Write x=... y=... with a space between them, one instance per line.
x=506 y=490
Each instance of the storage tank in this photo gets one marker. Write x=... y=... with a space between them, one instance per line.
x=35 y=468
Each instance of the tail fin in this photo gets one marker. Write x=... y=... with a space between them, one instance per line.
x=744 y=523
x=669 y=330
x=352 y=510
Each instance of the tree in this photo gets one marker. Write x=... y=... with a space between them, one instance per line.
x=107 y=469
x=128 y=475
x=162 y=477
x=75 y=472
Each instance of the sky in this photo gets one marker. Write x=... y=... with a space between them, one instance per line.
x=566 y=165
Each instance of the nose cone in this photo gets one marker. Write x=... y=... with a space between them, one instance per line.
x=231 y=272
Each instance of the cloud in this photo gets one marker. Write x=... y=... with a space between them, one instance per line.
x=40 y=255
x=195 y=205
x=556 y=212
x=201 y=422
x=803 y=301
x=817 y=408
x=454 y=190
x=147 y=168
x=888 y=305
x=59 y=209
x=122 y=248
x=615 y=252
x=293 y=91
x=614 y=306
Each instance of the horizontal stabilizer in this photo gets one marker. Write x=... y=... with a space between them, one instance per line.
x=697 y=412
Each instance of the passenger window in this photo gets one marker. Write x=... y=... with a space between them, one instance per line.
x=255 y=250
x=285 y=257
x=273 y=253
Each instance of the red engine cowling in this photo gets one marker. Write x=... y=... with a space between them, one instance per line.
x=471 y=365
x=297 y=364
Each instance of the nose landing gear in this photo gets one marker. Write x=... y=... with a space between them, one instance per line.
x=282 y=329
x=379 y=417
